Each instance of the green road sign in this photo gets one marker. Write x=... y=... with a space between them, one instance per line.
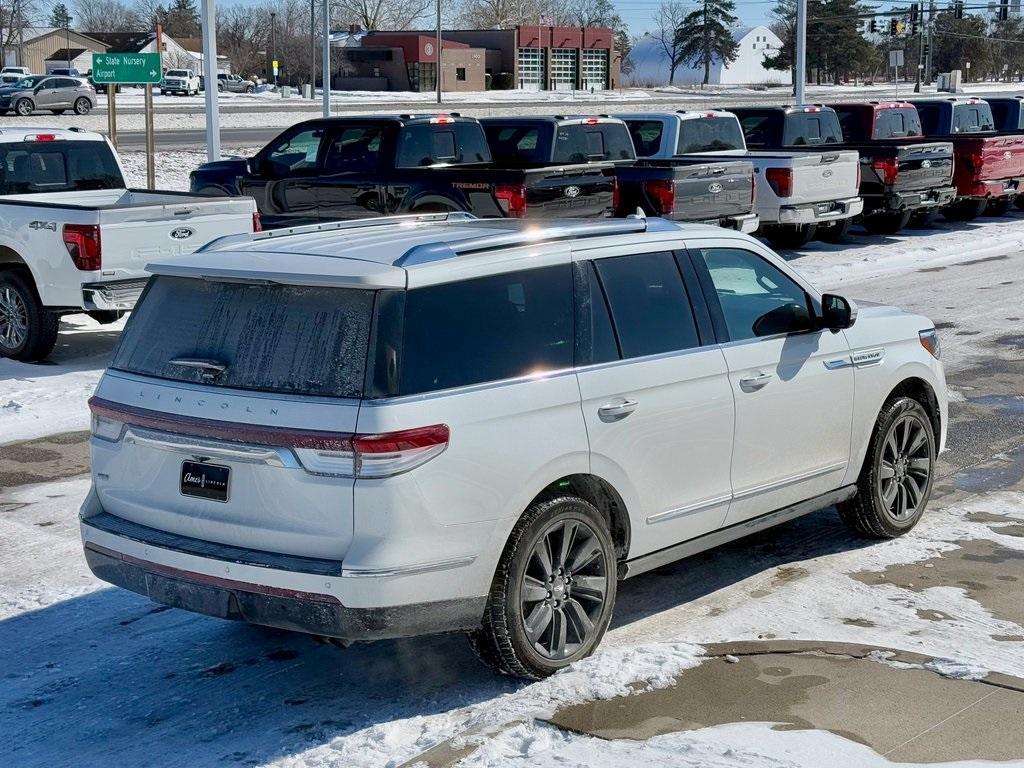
x=126 y=68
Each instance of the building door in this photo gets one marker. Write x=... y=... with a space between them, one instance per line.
x=594 y=66
x=531 y=69
x=563 y=69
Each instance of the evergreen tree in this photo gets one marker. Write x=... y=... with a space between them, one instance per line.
x=181 y=19
x=705 y=36
x=60 y=17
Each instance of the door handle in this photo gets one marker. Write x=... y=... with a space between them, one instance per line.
x=616 y=411
x=754 y=383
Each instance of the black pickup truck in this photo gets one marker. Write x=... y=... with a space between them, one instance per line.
x=719 y=192
x=903 y=178
x=355 y=167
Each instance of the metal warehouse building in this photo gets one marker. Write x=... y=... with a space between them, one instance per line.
x=530 y=57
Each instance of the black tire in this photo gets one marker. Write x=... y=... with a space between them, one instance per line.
x=24 y=107
x=250 y=88
x=924 y=218
x=58 y=111
x=785 y=237
x=964 y=210
x=998 y=206
x=569 y=608
x=888 y=223
x=28 y=331
x=1019 y=202
x=869 y=513
x=83 y=106
x=835 y=233
x=107 y=316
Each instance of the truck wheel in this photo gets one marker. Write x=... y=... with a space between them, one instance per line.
x=28 y=332
x=835 y=233
x=1019 y=202
x=895 y=482
x=553 y=593
x=998 y=206
x=250 y=88
x=886 y=223
x=24 y=107
x=788 y=236
x=964 y=210
x=924 y=218
x=83 y=106
x=107 y=316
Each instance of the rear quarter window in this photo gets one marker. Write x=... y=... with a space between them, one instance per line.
x=270 y=338
x=427 y=144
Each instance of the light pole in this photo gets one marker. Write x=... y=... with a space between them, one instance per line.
x=67 y=37
x=800 y=76
x=438 y=43
x=273 y=46
x=312 y=49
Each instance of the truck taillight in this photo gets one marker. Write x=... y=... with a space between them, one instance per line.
x=780 y=180
x=257 y=222
x=974 y=160
x=511 y=199
x=83 y=244
x=615 y=194
x=888 y=168
x=662 y=194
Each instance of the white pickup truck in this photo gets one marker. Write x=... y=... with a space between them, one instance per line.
x=183 y=82
x=801 y=194
x=74 y=239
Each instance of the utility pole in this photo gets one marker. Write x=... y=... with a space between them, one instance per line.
x=326 y=62
x=67 y=34
x=438 y=52
x=208 y=15
x=312 y=49
x=273 y=46
x=799 y=86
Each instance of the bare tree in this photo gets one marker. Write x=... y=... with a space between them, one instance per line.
x=500 y=14
x=106 y=16
x=243 y=36
x=383 y=14
x=16 y=17
x=667 y=20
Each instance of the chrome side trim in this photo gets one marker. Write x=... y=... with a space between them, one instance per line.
x=672 y=514
x=378 y=573
x=199 y=447
x=793 y=480
x=837 y=363
x=733 y=532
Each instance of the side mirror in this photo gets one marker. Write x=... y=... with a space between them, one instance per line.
x=837 y=312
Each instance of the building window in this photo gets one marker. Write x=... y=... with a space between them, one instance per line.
x=460 y=74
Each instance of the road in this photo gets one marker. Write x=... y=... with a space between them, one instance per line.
x=106 y=676
x=135 y=141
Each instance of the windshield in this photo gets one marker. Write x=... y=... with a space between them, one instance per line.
x=30 y=82
x=271 y=338
x=177 y=73
x=57 y=166
x=709 y=134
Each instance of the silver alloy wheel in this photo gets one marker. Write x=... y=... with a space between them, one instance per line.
x=563 y=589
x=13 y=318
x=905 y=468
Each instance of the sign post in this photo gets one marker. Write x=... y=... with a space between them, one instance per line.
x=896 y=61
x=113 y=69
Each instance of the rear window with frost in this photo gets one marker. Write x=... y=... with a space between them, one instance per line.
x=271 y=338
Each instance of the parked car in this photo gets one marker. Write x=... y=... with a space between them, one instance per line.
x=234 y=84
x=52 y=93
x=19 y=72
x=73 y=239
x=65 y=71
x=720 y=193
x=183 y=82
x=356 y=167
x=802 y=193
x=475 y=426
x=988 y=168
x=902 y=178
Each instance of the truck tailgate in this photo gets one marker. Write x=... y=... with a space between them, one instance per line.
x=818 y=176
x=996 y=157
x=924 y=165
x=135 y=234
x=709 y=189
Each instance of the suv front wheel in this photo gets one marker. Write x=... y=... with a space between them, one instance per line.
x=553 y=593
x=896 y=480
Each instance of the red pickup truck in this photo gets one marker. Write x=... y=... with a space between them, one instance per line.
x=988 y=168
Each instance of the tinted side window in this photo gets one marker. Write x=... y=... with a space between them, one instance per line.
x=514 y=144
x=646 y=136
x=761 y=128
x=649 y=305
x=856 y=123
x=420 y=146
x=812 y=129
x=295 y=152
x=929 y=114
x=756 y=298
x=709 y=134
x=354 y=148
x=595 y=337
x=617 y=142
x=487 y=329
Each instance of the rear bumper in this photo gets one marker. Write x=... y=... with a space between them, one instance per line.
x=744 y=222
x=121 y=294
x=997 y=188
x=283 y=591
x=813 y=213
x=910 y=200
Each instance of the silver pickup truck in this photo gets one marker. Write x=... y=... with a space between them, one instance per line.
x=800 y=194
x=74 y=238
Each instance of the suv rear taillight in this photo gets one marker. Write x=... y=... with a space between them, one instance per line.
x=83 y=244
x=511 y=199
x=887 y=168
x=662 y=194
x=780 y=180
x=257 y=222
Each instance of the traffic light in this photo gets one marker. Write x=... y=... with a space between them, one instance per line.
x=873 y=26
x=958 y=9
x=915 y=18
x=1003 y=12
x=894 y=27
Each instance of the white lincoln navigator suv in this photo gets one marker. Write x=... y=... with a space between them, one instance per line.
x=425 y=424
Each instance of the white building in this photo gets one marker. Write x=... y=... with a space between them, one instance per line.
x=651 y=66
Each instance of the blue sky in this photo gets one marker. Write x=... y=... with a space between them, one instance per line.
x=639 y=14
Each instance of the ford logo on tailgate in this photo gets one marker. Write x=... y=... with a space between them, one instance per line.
x=714 y=188
x=182 y=233
x=926 y=163
x=573 y=191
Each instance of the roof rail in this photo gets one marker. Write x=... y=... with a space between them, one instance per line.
x=564 y=230
x=338 y=226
